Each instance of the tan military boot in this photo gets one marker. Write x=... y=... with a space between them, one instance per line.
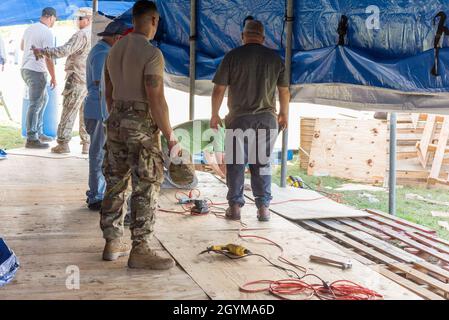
x=85 y=148
x=142 y=257
x=115 y=249
x=61 y=148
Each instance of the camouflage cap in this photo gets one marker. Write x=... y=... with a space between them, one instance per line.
x=182 y=173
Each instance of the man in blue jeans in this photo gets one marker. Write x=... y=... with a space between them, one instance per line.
x=95 y=110
x=252 y=72
x=34 y=73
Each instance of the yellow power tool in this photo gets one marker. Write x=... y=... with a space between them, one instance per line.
x=233 y=249
x=295 y=181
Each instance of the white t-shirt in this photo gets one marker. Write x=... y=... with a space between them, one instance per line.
x=40 y=36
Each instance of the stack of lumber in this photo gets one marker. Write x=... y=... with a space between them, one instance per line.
x=417 y=139
x=359 y=149
x=352 y=149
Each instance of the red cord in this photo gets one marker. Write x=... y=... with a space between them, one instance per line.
x=337 y=290
x=193 y=194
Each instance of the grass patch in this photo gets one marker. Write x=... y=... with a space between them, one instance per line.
x=412 y=210
x=10 y=138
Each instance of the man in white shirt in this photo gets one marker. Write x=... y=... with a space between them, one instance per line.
x=34 y=73
x=76 y=50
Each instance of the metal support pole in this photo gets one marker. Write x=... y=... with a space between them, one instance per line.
x=192 y=66
x=288 y=67
x=392 y=170
x=95 y=6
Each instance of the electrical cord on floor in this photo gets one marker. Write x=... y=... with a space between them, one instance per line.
x=295 y=285
x=233 y=257
x=337 y=290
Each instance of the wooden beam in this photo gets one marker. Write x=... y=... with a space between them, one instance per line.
x=428 y=242
x=422 y=292
x=426 y=139
x=348 y=241
x=379 y=245
x=392 y=224
x=419 y=276
x=433 y=269
x=401 y=221
x=410 y=242
x=424 y=117
x=433 y=238
x=439 y=153
x=433 y=147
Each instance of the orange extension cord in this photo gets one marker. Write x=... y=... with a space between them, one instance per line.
x=284 y=288
x=337 y=290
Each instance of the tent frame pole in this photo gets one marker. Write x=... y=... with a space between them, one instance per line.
x=288 y=67
x=392 y=167
x=95 y=6
x=192 y=64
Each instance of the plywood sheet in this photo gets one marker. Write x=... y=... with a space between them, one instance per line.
x=316 y=209
x=221 y=277
x=306 y=204
x=351 y=149
x=46 y=223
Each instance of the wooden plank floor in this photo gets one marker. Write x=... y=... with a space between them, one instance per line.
x=421 y=270
x=221 y=277
x=45 y=221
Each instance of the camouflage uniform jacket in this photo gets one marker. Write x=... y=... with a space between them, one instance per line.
x=76 y=50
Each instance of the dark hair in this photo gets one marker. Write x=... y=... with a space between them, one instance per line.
x=143 y=7
x=248 y=18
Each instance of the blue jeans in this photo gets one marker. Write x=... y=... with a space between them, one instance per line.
x=253 y=150
x=37 y=92
x=97 y=184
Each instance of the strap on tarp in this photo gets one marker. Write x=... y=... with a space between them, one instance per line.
x=342 y=30
x=441 y=32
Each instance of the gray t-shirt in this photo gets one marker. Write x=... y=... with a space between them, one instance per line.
x=252 y=73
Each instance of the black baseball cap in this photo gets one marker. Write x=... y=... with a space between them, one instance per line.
x=48 y=12
x=114 y=28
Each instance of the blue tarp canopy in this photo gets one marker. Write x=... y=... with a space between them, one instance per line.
x=15 y=12
x=384 y=64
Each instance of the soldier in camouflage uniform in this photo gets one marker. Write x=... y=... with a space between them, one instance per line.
x=76 y=50
x=137 y=113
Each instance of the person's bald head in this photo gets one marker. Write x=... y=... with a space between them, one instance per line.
x=253 y=32
x=145 y=17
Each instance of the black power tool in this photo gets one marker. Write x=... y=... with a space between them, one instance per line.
x=200 y=207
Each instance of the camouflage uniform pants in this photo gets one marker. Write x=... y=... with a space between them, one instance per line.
x=132 y=152
x=72 y=105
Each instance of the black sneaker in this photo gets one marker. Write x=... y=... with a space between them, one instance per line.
x=44 y=138
x=96 y=206
x=36 y=144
